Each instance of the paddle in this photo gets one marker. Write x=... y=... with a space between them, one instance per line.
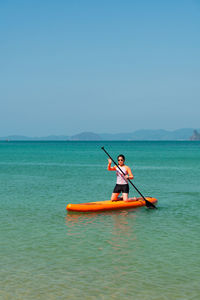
x=148 y=204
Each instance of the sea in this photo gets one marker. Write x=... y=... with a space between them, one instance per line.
x=141 y=254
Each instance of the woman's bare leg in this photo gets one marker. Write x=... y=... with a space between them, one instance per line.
x=114 y=196
x=125 y=196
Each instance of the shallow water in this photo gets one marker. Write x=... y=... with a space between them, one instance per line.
x=47 y=253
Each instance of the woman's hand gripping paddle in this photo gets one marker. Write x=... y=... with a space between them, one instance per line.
x=148 y=203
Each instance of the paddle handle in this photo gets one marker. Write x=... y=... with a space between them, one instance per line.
x=149 y=204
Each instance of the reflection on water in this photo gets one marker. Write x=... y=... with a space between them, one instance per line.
x=112 y=237
x=119 y=225
x=82 y=216
x=122 y=231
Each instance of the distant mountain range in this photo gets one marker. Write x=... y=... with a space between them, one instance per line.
x=139 y=135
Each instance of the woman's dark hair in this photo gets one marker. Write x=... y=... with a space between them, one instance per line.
x=121 y=155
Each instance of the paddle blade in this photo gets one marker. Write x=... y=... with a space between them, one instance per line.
x=150 y=205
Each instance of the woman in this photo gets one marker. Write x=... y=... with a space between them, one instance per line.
x=122 y=180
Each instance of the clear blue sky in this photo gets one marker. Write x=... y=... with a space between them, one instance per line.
x=102 y=66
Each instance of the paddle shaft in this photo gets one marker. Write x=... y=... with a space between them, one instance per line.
x=148 y=203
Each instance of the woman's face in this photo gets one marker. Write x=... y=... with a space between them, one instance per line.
x=120 y=161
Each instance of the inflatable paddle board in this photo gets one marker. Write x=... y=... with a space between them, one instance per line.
x=109 y=205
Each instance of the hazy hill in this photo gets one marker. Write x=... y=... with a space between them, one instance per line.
x=139 y=135
x=148 y=134
x=85 y=136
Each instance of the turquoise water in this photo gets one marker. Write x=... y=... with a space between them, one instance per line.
x=47 y=253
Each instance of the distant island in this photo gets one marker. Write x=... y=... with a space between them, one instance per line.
x=195 y=136
x=184 y=134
